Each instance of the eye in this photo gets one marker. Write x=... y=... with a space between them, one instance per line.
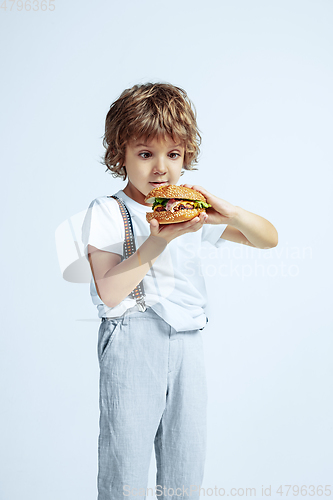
x=149 y=154
x=144 y=154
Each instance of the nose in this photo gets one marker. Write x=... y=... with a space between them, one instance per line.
x=160 y=167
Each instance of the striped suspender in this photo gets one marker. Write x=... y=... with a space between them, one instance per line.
x=129 y=248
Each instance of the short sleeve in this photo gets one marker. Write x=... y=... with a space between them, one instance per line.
x=212 y=233
x=103 y=226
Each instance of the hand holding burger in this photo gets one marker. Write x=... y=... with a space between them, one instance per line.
x=220 y=211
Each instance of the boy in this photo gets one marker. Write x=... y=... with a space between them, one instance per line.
x=152 y=372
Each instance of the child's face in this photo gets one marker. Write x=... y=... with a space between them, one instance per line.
x=152 y=162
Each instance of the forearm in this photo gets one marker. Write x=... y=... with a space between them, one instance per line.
x=121 y=280
x=259 y=231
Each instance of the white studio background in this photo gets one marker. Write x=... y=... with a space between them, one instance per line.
x=260 y=74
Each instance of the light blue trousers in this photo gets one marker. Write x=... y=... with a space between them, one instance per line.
x=153 y=391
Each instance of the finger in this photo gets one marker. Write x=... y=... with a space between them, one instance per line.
x=154 y=226
x=195 y=187
x=188 y=224
x=192 y=222
x=200 y=216
x=200 y=219
x=196 y=222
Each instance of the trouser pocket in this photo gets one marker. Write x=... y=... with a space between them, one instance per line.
x=106 y=335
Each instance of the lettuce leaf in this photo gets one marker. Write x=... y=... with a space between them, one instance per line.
x=160 y=201
x=197 y=203
x=203 y=204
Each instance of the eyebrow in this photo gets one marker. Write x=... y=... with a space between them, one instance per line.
x=146 y=146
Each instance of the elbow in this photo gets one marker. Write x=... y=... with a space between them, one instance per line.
x=105 y=297
x=109 y=294
x=273 y=242
x=111 y=305
x=275 y=239
x=109 y=302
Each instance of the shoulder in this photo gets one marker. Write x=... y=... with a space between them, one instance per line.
x=103 y=224
x=105 y=203
x=104 y=199
x=103 y=210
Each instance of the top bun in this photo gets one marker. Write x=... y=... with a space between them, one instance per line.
x=174 y=191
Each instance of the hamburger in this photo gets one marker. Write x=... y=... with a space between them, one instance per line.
x=175 y=204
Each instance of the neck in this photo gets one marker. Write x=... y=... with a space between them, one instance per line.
x=136 y=195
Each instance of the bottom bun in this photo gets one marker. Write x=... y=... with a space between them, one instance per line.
x=166 y=217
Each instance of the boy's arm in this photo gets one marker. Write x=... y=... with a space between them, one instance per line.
x=114 y=280
x=250 y=229
x=232 y=234
x=243 y=226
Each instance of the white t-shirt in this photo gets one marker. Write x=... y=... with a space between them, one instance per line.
x=174 y=286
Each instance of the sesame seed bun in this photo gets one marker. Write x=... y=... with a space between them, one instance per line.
x=173 y=191
x=167 y=217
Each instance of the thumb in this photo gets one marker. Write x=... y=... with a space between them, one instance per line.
x=154 y=226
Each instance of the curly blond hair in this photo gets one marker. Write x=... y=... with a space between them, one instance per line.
x=148 y=111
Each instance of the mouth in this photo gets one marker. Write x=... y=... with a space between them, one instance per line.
x=158 y=184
